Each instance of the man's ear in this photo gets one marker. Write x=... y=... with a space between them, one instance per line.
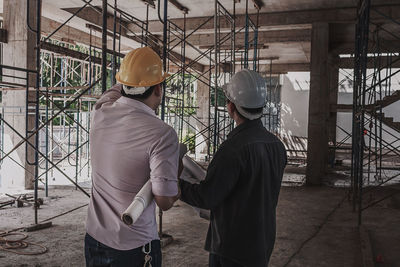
x=158 y=90
x=231 y=107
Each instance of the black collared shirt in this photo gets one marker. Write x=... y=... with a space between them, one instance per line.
x=241 y=189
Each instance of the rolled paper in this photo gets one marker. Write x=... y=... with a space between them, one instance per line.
x=195 y=170
x=194 y=173
x=141 y=201
x=143 y=198
x=182 y=150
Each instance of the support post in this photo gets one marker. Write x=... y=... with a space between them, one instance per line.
x=317 y=151
x=333 y=77
x=19 y=52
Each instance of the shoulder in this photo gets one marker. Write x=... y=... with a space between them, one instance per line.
x=109 y=96
x=252 y=138
x=165 y=131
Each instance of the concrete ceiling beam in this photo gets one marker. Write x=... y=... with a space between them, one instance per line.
x=67 y=32
x=92 y=16
x=284 y=68
x=238 y=47
x=348 y=62
x=264 y=37
x=73 y=36
x=340 y=15
x=385 y=46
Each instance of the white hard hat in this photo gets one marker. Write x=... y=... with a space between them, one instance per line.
x=247 y=89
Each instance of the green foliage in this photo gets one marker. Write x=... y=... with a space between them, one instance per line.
x=220 y=97
x=190 y=141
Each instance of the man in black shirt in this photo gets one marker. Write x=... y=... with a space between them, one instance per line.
x=243 y=181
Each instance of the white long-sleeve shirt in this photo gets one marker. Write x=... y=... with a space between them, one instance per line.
x=128 y=144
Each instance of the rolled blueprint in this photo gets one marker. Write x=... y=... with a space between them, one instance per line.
x=195 y=170
x=194 y=173
x=143 y=198
x=141 y=201
x=182 y=150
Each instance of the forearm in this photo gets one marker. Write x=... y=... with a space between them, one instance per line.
x=191 y=194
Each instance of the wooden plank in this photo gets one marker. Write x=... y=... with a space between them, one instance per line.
x=179 y=6
x=73 y=53
x=38 y=226
x=258 y=4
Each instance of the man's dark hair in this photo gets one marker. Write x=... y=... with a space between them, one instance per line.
x=143 y=96
x=249 y=110
x=253 y=110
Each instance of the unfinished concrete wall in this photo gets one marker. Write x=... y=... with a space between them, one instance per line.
x=294 y=116
x=344 y=119
x=18 y=52
x=294 y=110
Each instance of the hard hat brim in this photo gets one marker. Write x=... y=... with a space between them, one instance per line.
x=248 y=115
x=117 y=77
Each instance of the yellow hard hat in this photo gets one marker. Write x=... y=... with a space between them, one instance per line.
x=141 y=67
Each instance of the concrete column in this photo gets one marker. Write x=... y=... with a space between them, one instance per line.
x=317 y=152
x=202 y=97
x=18 y=52
x=333 y=76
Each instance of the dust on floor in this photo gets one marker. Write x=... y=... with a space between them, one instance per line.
x=301 y=212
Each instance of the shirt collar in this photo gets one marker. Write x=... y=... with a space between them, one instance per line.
x=245 y=125
x=136 y=105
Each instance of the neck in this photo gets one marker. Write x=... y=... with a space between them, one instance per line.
x=149 y=103
x=239 y=120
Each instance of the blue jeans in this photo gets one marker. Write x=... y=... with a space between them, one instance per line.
x=98 y=254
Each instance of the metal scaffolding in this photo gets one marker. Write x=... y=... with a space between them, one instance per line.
x=68 y=79
x=375 y=137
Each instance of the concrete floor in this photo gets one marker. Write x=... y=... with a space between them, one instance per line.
x=301 y=212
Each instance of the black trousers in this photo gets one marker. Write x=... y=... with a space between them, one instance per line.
x=98 y=254
x=218 y=261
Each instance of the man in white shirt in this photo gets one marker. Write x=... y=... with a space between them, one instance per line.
x=129 y=144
